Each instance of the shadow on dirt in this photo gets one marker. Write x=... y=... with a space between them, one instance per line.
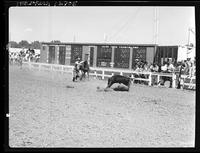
x=68 y=86
x=120 y=88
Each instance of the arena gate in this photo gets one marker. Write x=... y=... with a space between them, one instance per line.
x=91 y=55
x=104 y=54
x=121 y=57
x=52 y=56
x=62 y=52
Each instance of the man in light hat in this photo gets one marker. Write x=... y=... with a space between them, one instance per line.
x=76 y=69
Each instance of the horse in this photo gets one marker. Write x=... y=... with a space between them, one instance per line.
x=84 y=68
x=80 y=70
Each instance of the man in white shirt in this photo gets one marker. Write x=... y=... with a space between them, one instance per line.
x=171 y=67
x=164 y=67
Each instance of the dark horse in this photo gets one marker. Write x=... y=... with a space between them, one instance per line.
x=84 y=68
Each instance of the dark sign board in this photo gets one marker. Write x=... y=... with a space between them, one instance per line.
x=121 y=58
x=139 y=54
x=76 y=51
x=104 y=54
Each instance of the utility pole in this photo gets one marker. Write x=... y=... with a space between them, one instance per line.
x=188 y=41
x=105 y=37
x=156 y=22
x=74 y=38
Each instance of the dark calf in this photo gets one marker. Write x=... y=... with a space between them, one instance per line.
x=119 y=79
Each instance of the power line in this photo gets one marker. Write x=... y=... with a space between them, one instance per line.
x=125 y=24
x=113 y=28
x=156 y=25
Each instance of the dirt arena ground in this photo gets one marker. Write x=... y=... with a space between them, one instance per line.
x=47 y=109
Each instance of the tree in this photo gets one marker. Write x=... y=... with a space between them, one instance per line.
x=24 y=44
x=13 y=44
x=35 y=45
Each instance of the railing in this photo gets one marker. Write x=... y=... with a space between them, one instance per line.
x=107 y=72
x=52 y=67
x=190 y=84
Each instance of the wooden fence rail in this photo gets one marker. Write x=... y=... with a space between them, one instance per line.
x=108 y=72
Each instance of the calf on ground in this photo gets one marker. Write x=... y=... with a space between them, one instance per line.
x=119 y=79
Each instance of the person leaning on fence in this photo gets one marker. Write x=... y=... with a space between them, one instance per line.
x=181 y=68
x=192 y=75
x=136 y=74
x=192 y=70
x=154 y=68
x=164 y=68
x=186 y=67
x=171 y=67
x=145 y=69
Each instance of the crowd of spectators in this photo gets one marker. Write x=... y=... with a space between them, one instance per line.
x=189 y=67
x=23 y=55
x=185 y=67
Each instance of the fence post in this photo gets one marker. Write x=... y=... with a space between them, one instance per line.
x=132 y=79
x=39 y=67
x=173 y=80
x=112 y=74
x=103 y=74
x=150 y=79
x=158 y=79
x=95 y=72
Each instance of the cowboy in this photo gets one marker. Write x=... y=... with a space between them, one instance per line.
x=76 y=69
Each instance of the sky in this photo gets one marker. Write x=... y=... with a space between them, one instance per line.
x=122 y=24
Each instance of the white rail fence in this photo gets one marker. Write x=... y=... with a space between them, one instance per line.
x=108 y=72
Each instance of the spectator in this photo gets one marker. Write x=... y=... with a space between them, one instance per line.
x=154 y=68
x=164 y=67
x=181 y=67
x=192 y=70
x=159 y=68
x=171 y=67
x=137 y=68
x=137 y=75
x=186 y=67
x=151 y=67
x=145 y=67
x=37 y=58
